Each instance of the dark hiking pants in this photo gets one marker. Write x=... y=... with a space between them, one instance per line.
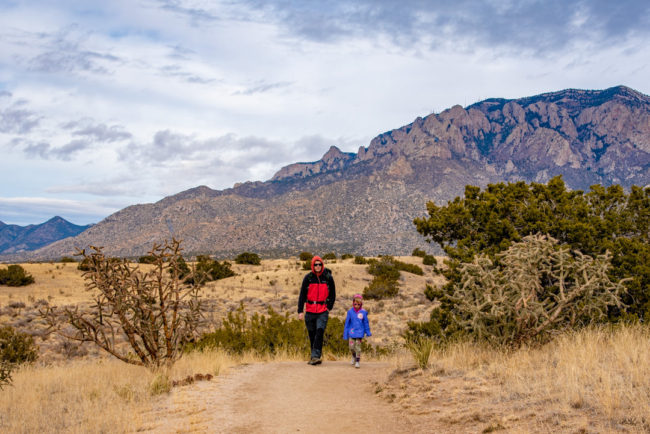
x=316 y=323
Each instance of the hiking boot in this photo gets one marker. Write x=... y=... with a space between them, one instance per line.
x=356 y=365
x=317 y=361
x=314 y=361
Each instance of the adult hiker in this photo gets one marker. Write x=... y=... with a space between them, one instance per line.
x=318 y=293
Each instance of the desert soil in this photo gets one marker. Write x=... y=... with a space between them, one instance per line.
x=283 y=397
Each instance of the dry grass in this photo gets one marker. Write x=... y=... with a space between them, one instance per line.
x=58 y=283
x=94 y=396
x=592 y=380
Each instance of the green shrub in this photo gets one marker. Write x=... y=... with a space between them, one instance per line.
x=409 y=268
x=15 y=347
x=418 y=252
x=385 y=268
x=305 y=256
x=270 y=334
x=346 y=256
x=380 y=288
x=67 y=259
x=329 y=256
x=306 y=265
x=207 y=270
x=15 y=275
x=429 y=260
x=248 y=258
x=147 y=259
x=360 y=260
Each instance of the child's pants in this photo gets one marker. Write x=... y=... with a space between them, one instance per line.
x=355 y=347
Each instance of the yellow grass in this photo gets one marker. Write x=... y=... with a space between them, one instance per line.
x=600 y=371
x=58 y=283
x=93 y=396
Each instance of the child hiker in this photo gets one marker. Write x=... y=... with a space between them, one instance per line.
x=356 y=326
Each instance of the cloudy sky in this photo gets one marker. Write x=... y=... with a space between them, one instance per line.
x=105 y=104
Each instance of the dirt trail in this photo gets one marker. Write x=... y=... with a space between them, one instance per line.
x=280 y=398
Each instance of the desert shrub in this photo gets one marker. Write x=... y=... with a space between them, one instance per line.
x=384 y=283
x=154 y=312
x=268 y=334
x=421 y=349
x=65 y=259
x=384 y=268
x=248 y=258
x=409 y=268
x=147 y=259
x=534 y=289
x=306 y=265
x=329 y=256
x=380 y=288
x=305 y=256
x=16 y=347
x=86 y=265
x=360 y=260
x=207 y=270
x=15 y=275
x=347 y=256
x=161 y=384
x=429 y=260
x=418 y=252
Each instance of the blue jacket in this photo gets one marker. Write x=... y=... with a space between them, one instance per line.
x=356 y=324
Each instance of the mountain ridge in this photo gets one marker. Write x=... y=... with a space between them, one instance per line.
x=365 y=202
x=16 y=238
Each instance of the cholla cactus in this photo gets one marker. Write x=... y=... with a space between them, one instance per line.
x=536 y=288
x=154 y=312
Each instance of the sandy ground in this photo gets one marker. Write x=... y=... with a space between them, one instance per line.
x=282 y=397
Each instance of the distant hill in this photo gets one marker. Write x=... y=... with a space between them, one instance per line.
x=17 y=239
x=365 y=202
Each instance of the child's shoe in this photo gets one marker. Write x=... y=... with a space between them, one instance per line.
x=353 y=361
x=356 y=365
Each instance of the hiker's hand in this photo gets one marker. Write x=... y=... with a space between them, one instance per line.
x=300 y=315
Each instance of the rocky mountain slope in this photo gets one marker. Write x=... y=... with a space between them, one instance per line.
x=15 y=238
x=365 y=202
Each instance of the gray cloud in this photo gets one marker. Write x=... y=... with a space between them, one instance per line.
x=66 y=152
x=41 y=150
x=263 y=88
x=177 y=72
x=532 y=25
x=63 y=52
x=17 y=120
x=196 y=16
x=101 y=132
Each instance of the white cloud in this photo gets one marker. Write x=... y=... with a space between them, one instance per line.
x=137 y=100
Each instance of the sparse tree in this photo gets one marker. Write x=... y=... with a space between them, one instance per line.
x=155 y=312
